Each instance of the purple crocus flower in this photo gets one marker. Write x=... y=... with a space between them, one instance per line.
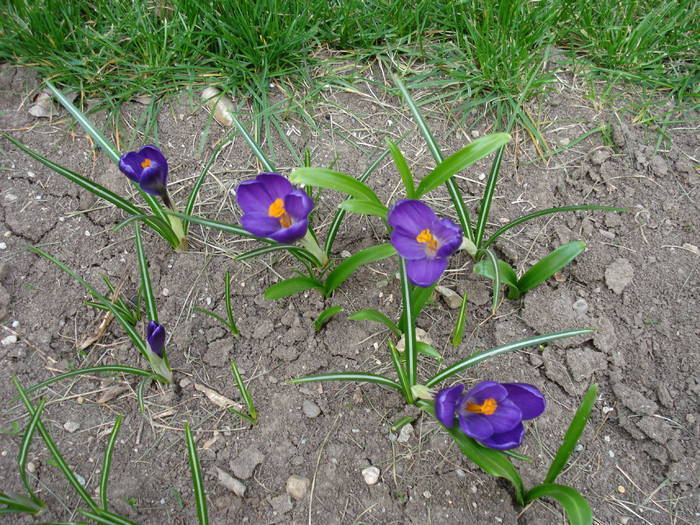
x=155 y=335
x=149 y=168
x=492 y=413
x=423 y=240
x=273 y=208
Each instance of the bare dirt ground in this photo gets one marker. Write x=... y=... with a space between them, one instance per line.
x=637 y=283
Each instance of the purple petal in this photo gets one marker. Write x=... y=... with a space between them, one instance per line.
x=260 y=224
x=424 y=272
x=130 y=165
x=153 y=180
x=477 y=426
x=446 y=402
x=298 y=204
x=486 y=390
x=253 y=197
x=155 y=155
x=288 y=235
x=155 y=335
x=528 y=398
x=506 y=416
x=411 y=215
x=449 y=236
x=407 y=245
x=276 y=185
x=506 y=440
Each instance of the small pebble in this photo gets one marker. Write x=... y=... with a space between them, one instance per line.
x=297 y=486
x=405 y=433
x=165 y=292
x=31 y=467
x=80 y=479
x=345 y=254
x=371 y=475
x=3 y=245
x=621 y=489
x=10 y=197
x=9 y=340
x=581 y=306
x=71 y=426
x=310 y=409
x=427 y=494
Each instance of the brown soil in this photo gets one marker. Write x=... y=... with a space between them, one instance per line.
x=637 y=283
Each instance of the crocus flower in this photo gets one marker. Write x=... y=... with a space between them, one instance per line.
x=492 y=413
x=273 y=208
x=155 y=335
x=423 y=240
x=149 y=168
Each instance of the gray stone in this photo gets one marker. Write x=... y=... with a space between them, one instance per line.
x=71 y=426
x=451 y=298
x=217 y=353
x=619 y=275
x=310 y=409
x=656 y=428
x=231 y=483
x=297 y=486
x=405 y=433
x=634 y=400
x=583 y=363
x=4 y=302
x=281 y=504
x=244 y=465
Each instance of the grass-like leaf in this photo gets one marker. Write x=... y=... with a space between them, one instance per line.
x=107 y=462
x=197 y=478
x=229 y=308
x=493 y=352
x=549 y=265
x=496 y=295
x=256 y=149
x=105 y=517
x=370 y=314
x=576 y=507
x=146 y=287
x=458 y=332
x=409 y=327
x=326 y=316
x=506 y=274
x=403 y=169
x=487 y=197
x=92 y=370
x=345 y=269
x=573 y=433
x=419 y=297
x=24 y=452
x=17 y=503
x=291 y=286
x=400 y=373
x=364 y=207
x=456 y=162
x=358 y=377
x=491 y=461
x=333 y=180
x=296 y=251
x=51 y=445
x=245 y=393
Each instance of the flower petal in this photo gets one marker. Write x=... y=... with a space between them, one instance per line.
x=153 y=179
x=449 y=236
x=477 y=426
x=528 y=398
x=288 y=235
x=276 y=185
x=506 y=416
x=446 y=402
x=486 y=390
x=506 y=440
x=155 y=335
x=260 y=224
x=407 y=245
x=253 y=197
x=411 y=215
x=424 y=272
x=154 y=155
x=130 y=165
x=298 y=204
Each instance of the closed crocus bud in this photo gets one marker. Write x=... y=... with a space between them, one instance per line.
x=149 y=169
x=492 y=413
x=155 y=335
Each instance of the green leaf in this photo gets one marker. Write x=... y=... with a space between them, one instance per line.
x=333 y=180
x=506 y=273
x=24 y=451
x=358 y=377
x=104 y=517
x=326 y=316
x=496 y=295
x=352 y=263
x=409 y=326
x=197 y=478
x=549 y=265
x=107 y=462
x=146 y=287
x=400 y=373
x=491 y=461
x=403 y=169
x=364 y=207
x=489 y=190
x=229 y=309
x=376 y=316
x=245 y=393
x=294 y=250
x=456 y=162
x=90 y=370
x=291 y=286
x=573 y=433
x=478 y=357
x=576 y=507
x=419 y=297
x=426 y=349
x=458 y=333
x=257 y=150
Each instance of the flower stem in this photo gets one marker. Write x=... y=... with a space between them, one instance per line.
x=175 y=223
x=309 y=243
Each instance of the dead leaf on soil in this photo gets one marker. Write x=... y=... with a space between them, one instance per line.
x=112 y=392
x=216 y=398
x=43 y=106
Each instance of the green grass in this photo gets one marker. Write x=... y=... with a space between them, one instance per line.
x=480 y=53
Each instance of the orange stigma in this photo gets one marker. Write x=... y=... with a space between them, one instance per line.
x=426 y=237
x=146 y=163
x=277 y=211
x=487 y=408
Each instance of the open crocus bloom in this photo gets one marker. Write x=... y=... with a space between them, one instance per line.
x=155 y=335
x=273 y=208
x=423 y=240
x=147 y=167
x=492 y=413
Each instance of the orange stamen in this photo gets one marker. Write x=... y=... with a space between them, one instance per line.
x=426 y=237
x=487 y=408
x=277 y=211
x=146 y=163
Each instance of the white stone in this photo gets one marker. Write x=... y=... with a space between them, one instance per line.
x=71 y=426
x=9 y=340
x=371 y=475
x=297 y=486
